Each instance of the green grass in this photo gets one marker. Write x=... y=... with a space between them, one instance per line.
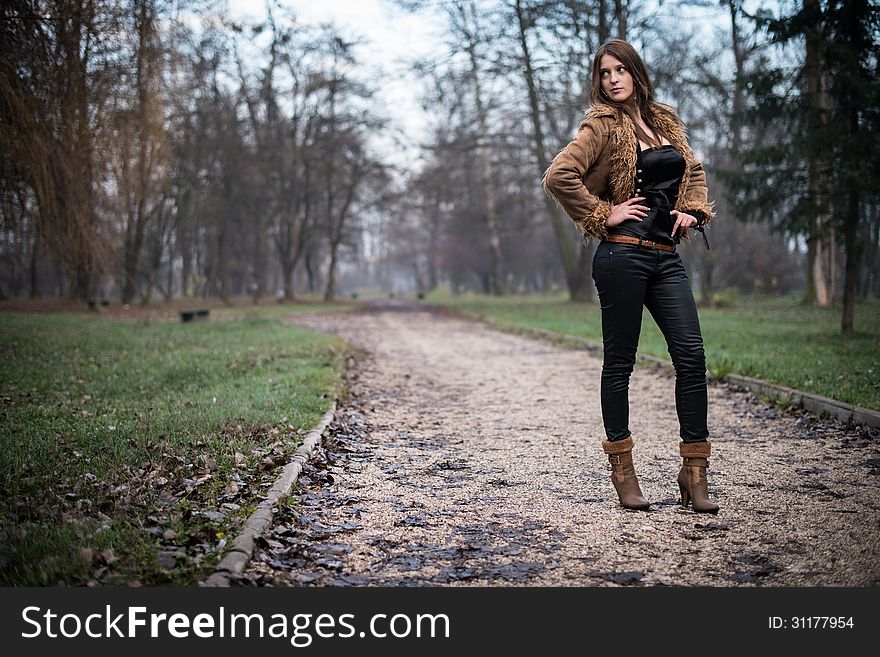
x=777 y=340
x=104 y=422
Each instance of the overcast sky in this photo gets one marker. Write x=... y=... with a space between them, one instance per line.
x=392 y=38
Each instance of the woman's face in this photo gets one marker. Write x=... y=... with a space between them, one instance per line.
x=617 y=82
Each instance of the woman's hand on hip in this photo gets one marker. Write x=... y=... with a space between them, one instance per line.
x=683 y=221
x=629 y=209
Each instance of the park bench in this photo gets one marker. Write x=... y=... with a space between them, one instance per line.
x=189 y=315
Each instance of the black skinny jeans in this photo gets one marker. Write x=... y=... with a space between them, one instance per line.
x=627 y=277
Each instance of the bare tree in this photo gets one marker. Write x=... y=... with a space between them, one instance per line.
x=465 y=20
x=55 y=60
x=344 y=162
x=141 y=143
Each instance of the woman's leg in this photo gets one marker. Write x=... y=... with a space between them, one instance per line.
x=671 y=302
x=621 y=273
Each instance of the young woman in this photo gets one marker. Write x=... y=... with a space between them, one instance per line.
x=630 y=179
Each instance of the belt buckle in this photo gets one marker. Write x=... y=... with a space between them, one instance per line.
x=647 y=244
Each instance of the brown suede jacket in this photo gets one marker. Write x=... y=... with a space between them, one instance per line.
x=599 y=167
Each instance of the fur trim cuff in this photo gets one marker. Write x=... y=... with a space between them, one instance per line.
x=617 y=446
x=706 y=209
x=594 y=224
x=698 y=450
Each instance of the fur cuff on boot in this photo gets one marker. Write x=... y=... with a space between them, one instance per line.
x=617 y=446
x=698 y=450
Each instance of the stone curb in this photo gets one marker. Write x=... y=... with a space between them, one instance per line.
x=238 y=556
x=815 y=404
x=810 y=402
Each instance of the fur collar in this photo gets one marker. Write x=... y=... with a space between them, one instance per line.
x=624 y=148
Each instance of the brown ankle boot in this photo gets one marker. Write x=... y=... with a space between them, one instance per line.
x=692 y=482
x=623 y=474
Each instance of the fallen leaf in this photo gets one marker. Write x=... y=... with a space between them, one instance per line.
x=109 y=556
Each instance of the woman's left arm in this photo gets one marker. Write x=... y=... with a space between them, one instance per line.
x=696 y=196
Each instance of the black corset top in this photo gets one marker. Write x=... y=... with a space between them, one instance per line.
x=658 y=174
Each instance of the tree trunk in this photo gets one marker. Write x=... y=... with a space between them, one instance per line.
x=822 y=256
x=809 y=297
x=853 y=255
x=873 y=278
x=185 y=271
x=419 y=278
x=739 y=80
x=583 y=289
x=133 y=247
x=260 y=259
x=620 y=12
x=330 y=289
x=168 y=294
x=433 y=246
x=818 y=163
x=36 y=255
x=571 y=266
x=287 y=274
x=853 y=245
x=218 y=272
x=707 y=282
x=488 y=179
x=146 y=140
x=310 y=273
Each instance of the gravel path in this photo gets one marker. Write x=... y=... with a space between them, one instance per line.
x=472 y=457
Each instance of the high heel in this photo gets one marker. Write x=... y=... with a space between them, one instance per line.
x=685 y=497
x=692 y=481
x=623 y=473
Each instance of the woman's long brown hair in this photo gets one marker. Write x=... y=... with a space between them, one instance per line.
x=642 y=99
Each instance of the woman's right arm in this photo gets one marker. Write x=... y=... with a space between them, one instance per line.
x=563 y=180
